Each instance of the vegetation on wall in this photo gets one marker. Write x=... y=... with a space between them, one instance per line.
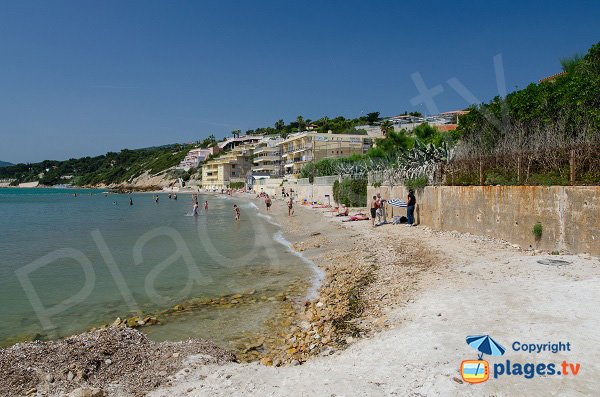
x=351 y=192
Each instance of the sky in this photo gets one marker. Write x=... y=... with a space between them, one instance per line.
x=80 y=78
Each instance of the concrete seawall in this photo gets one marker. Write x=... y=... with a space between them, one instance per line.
x=570 y=215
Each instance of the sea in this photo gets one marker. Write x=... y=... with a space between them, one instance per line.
x=74 y=259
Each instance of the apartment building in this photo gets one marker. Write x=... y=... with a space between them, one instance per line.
x=195 y=157
x=232 y=166
x=267 y=158
x=300 y=148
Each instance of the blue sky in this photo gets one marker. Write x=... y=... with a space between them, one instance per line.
x=85 y=77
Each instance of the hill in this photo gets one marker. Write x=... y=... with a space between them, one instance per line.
x=4 y=164
x=110 y=168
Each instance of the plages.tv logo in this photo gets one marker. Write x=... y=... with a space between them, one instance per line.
x=478 y=371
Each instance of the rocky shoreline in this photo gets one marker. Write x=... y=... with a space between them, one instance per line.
x=111 y=361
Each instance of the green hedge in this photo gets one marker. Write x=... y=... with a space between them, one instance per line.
x=350 y=192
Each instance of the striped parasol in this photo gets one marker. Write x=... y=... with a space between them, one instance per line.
x=486 y=345
x=397 y=203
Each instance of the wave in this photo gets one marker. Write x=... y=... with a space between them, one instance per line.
x=268 y=218
x=319 y=275
x=249 y=205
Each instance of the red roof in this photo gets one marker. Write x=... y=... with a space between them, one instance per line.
x=446 y=127
x=553 y=77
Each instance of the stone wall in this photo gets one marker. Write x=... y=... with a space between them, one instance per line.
x=570 y=215
x=316 y=192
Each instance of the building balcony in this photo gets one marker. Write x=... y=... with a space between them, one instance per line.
x=297 y=148
x=267 y=150
x=266 y=167
x=302 y=159
x=261 y=159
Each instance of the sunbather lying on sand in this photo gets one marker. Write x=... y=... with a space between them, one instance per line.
x=357 y=217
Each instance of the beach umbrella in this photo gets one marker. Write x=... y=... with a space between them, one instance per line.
x=485 y=345
x=396 y=203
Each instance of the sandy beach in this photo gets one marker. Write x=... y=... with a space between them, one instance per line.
x=391 y=317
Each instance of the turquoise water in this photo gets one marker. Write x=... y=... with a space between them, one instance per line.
x=68 y=262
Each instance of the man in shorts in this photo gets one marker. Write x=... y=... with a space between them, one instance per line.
x=374 y=207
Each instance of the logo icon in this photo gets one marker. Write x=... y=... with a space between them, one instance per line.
x=475 y=371
x=478 y=371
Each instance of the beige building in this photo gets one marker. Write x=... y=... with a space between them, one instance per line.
x=232 y=166
x=267 y=158
x=303 y=147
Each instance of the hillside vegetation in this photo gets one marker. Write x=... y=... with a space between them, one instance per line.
x=545 y=134
x=111 y=168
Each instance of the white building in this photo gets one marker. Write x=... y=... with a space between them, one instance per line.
x=195 y=157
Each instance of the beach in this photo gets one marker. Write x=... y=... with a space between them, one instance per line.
x=428 y=290
x=394 y=306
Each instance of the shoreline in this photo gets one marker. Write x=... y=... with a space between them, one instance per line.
x=379 y=284
x=273 y=344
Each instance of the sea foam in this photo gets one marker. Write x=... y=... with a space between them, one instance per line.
x=319 y=274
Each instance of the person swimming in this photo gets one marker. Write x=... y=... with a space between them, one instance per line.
x=174 y=197
x=130 y=201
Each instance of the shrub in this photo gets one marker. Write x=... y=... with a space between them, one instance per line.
x=416 y=183
x=350 y=192
x=500 y=178
x=537 y=231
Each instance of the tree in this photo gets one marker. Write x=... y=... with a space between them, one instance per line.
x=372 y=117
x=208 y=142
x=236 y=133
x=279 y=124
x=425 y=132
x=392 y=144
x=386 y=127
x=301 y=123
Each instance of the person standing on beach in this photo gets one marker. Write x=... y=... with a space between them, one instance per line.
x=268 y=203
x=175 y=197
x=411 y=202
x=291 y=206
x=236 y=211
x=374 y=206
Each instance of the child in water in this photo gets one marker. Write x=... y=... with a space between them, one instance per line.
x=236 y=211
